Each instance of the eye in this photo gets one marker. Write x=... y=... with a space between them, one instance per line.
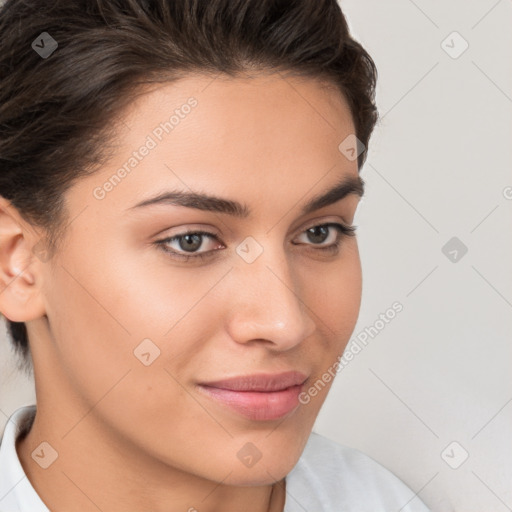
x=320 y=233
x=188 y=243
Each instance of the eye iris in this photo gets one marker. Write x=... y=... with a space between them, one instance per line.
x=193 y=242
x=315 y=231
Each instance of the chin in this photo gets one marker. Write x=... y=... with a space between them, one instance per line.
x=274 y=464
x=254 y=477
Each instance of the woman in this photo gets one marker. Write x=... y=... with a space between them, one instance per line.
x=178 y=185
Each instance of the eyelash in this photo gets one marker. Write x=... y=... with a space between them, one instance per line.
x=344 y=231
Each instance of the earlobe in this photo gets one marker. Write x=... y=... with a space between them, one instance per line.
x=20 y=295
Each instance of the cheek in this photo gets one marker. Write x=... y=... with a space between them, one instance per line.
x=102 y=309
x=92 y=345
x=93 y=307
x=334 y=294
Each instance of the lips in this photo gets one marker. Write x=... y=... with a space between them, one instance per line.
x=260 y=382
x=258 y=397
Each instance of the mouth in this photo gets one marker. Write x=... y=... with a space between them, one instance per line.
x=258 y=397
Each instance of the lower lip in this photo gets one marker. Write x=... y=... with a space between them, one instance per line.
x=257 y=405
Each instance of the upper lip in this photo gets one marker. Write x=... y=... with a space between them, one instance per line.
x=260 y=382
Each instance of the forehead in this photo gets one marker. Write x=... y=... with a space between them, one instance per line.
x=243 y=136
x=262 y=105
x=260 y=85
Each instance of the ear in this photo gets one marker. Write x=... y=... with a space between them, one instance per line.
x=20 y=267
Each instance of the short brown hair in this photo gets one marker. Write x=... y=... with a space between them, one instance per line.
x=56 y=112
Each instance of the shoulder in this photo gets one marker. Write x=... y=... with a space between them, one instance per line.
x=16 y=491
x=333 y=477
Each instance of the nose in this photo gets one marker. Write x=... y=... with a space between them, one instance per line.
x=266 y=303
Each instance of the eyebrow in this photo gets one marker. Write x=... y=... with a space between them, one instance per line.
x=348 y=185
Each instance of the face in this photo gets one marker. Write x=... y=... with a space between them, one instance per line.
x=145 y=304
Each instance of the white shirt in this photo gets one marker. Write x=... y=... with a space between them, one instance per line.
x=328 y=477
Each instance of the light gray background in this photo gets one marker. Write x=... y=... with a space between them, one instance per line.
x=438 y=167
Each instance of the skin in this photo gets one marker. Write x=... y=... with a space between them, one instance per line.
x=132 y=437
